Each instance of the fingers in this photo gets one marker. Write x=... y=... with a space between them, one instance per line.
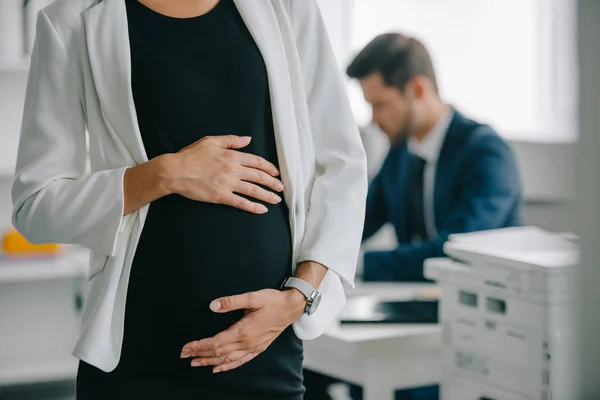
x=233 y=200
x=215 y=346
x=235 y=364
x=245 y=301
x=257 y=192
x=231 y=356
x=213 y=361
x=223 y=141
x=215 y=350
x=262 y=178
x=204 y=346
x=233 y=142
x=230 y=141
x=243 y=341
x=259 y=163
x=241 y=335
x=226 y=363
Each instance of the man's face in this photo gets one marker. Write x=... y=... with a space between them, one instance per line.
x=393 y=112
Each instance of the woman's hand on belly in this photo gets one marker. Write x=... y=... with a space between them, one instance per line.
x=212 y=171
x=268 y=313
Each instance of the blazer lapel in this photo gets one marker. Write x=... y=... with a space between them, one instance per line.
x=109 y=53
x=107 y=37
x=262 y=21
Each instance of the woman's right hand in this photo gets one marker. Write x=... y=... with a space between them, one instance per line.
x=212 y=171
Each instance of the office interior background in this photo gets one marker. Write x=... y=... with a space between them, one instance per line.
x=529 y=68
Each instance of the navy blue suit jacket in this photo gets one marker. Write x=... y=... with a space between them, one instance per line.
x=477 y=187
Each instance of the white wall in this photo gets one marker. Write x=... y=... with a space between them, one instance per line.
x=5 y=202
x=546 y=169
x=12 y=96
x=337 y=15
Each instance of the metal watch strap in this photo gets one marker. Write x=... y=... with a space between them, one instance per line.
x=304 y=287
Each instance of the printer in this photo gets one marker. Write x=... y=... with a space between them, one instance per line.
x=507 y=314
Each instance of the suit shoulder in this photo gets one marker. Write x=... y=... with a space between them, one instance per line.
x=486 y=136
x=474 y=140
x=480 y=134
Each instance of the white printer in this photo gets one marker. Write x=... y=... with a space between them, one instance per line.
x=507 y=313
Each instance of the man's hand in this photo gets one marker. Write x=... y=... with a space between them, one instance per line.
x=268 y=313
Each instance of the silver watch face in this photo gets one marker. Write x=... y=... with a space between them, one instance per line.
x=313 y=303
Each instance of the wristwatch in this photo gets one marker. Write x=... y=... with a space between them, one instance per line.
x=313 y=296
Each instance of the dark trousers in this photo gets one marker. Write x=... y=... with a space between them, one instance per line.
x=316 y=389
x=93 y=384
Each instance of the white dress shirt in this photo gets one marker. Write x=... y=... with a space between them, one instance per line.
x=429 y=150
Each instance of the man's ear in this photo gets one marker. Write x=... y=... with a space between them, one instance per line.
x=418 y=86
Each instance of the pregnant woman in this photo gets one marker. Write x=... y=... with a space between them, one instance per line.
x=206 y=154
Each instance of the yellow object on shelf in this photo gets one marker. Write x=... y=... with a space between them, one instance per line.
x=15 y=244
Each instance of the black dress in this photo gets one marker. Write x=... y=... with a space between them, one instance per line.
x=192 y=78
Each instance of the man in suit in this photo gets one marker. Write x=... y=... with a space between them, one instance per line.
x=444 y=173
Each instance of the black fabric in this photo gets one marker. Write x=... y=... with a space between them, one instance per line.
x=416 y=210
x=192 y=78
x=94 y=384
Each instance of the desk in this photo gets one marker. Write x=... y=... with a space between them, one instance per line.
x=39 y=317
x=379 y=357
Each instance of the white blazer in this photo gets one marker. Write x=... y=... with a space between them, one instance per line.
x=80 y=80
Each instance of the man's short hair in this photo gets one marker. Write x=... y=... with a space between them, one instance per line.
x=397 y=57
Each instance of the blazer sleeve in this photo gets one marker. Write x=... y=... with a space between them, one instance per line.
x=336 y=216
x=54 y=200
x=492 y=191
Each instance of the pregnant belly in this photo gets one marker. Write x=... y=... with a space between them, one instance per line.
x=191 y=253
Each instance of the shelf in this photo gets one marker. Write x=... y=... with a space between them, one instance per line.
x=38 y=373
x=32 y=270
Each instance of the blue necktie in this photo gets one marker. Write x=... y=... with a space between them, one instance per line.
x=416 y=214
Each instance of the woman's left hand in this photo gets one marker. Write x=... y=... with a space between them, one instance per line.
x=268 y=313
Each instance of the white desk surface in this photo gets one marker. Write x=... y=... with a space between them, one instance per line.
x=39 y=317
x=381 y=339
x=393 y=355
x=71 y=263
x=393 y=290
